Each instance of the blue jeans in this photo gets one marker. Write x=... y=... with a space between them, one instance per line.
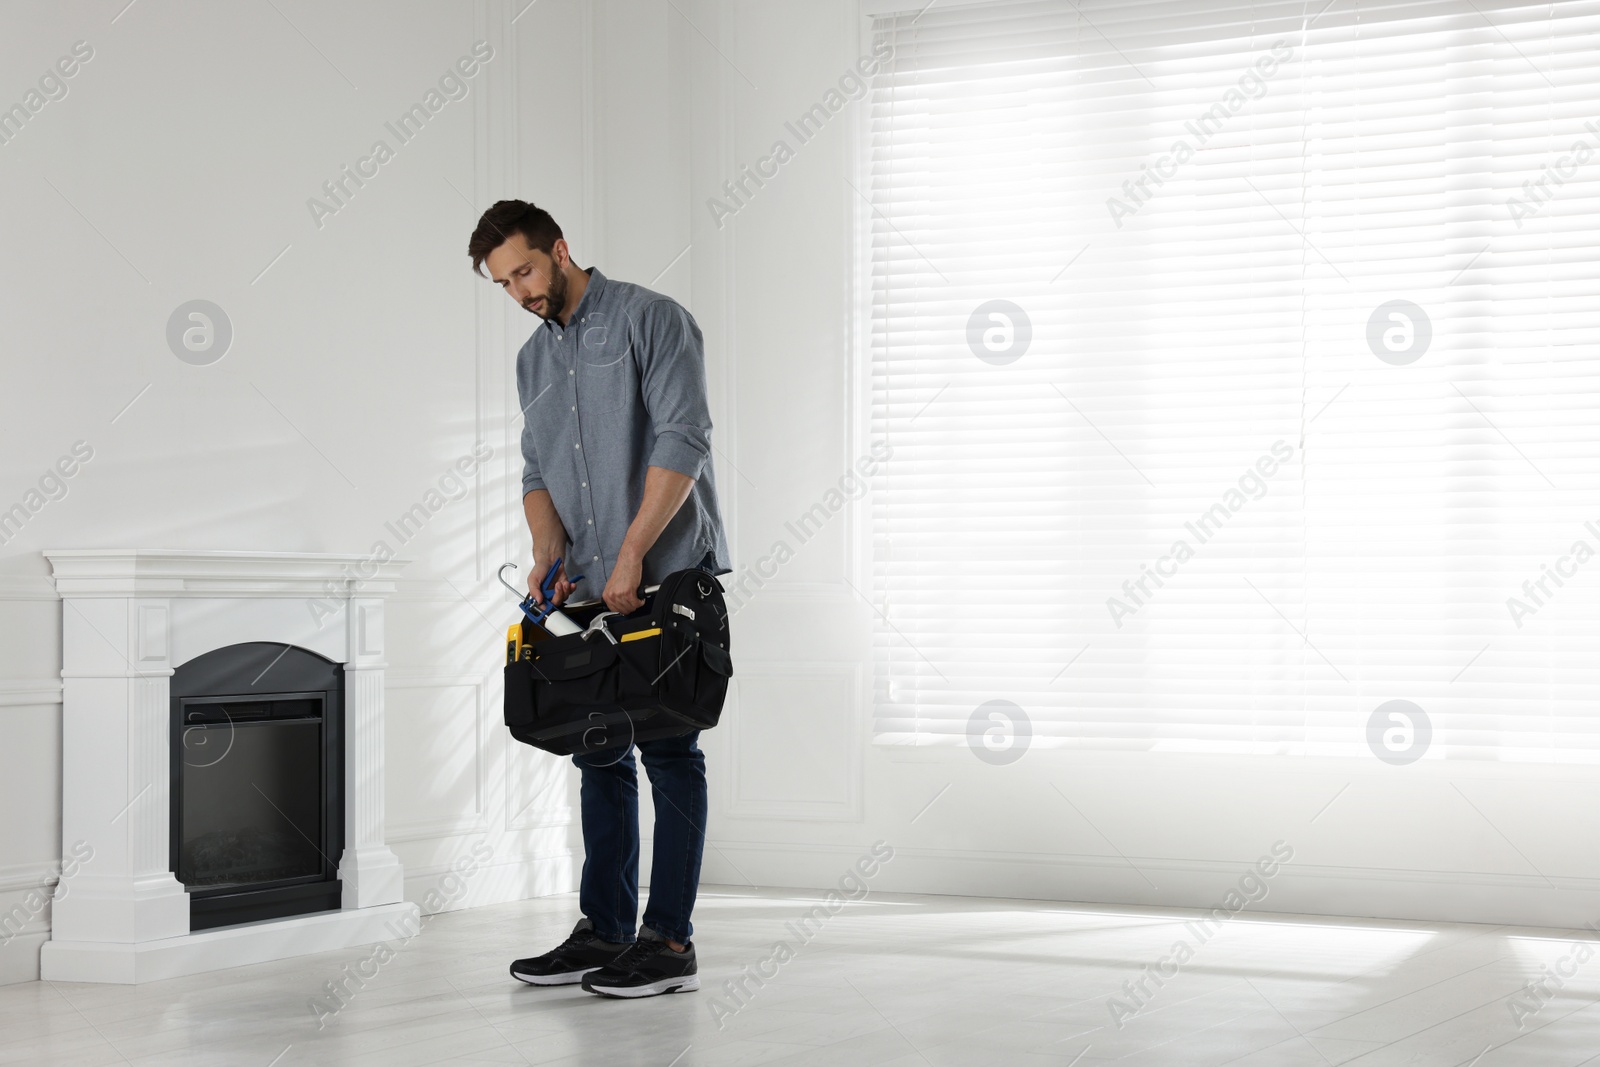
x=608 y=893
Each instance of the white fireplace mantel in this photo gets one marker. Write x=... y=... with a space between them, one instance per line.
x=129 y=616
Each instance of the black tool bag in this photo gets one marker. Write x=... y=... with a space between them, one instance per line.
x=660 y=671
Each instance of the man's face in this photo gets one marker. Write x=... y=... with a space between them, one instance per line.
x=530 y=277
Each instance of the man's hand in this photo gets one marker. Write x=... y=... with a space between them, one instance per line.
x=664 y=493
x=550 y=543
x=542 y=560
x=622 y=591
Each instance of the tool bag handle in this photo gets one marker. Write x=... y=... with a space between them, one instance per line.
x=642 y=593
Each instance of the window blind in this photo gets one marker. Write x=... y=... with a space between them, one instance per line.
x=1238 y=363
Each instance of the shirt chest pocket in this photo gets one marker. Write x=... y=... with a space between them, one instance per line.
x=607 y=378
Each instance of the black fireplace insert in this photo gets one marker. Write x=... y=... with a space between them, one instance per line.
x=257 y=783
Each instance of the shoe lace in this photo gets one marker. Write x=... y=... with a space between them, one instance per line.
x=635 y=953
x=575 y=939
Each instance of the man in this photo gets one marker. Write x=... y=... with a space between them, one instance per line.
x=617 y=483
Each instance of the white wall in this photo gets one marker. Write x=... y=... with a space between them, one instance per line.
x=799 y=790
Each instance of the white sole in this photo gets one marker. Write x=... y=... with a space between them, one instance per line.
x=684 y=984
x=570 y=978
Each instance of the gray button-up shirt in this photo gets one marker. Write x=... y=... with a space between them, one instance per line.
x=620 y=388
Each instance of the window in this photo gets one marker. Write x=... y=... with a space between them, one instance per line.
x=1239 y=365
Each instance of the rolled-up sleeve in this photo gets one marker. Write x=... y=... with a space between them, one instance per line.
x=672 y=367
x=532 y=477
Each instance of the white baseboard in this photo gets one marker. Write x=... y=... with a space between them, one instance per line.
x=1296 y=889
x=518 y=877
x=19 y=957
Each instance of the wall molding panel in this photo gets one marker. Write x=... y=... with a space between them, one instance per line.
x=477 y=820
x=755 y=755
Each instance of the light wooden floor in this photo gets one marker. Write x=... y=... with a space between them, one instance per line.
x=894 y=980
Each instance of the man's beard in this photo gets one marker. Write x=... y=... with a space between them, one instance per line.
x=555 y=297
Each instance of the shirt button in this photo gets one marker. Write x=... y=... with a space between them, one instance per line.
x=597 y=559
x=586 y=485
x=572 y=372
x=574 y=407
x=591 y=522
x=577 y=446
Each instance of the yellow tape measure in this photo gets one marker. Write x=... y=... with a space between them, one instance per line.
x=654 y=631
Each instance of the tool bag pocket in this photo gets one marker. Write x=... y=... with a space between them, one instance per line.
x=519 y=694
x=573 y=675
x=564 y=697
x=694 y=677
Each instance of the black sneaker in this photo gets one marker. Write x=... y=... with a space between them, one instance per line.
x=649 y=966
x=569 y=961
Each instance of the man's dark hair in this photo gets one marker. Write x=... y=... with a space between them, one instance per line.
x=507 y=217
